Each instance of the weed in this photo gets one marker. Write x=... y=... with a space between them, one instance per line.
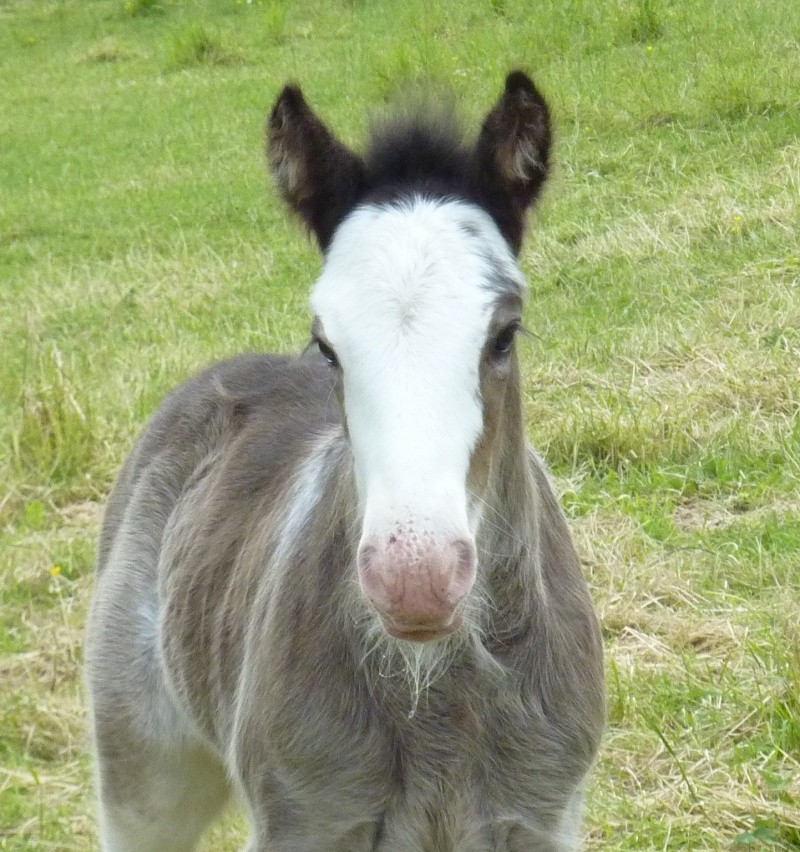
x=273 y=18
x=645 y=22
x=760 y=835
x=200 y=44
x=110 y=49
x=143 y=8
x=55 y=439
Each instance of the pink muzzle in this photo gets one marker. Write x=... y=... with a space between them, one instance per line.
x=417 y=586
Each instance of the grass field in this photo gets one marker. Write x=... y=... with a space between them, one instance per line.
x=140 y=239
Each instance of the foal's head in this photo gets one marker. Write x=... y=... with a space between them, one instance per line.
x=416 y=312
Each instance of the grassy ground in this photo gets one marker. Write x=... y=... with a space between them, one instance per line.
x=139 y=239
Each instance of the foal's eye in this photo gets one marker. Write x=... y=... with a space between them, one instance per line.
x=502 y=344
x=327 y=353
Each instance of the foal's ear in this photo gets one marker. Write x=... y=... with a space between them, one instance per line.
x=511 y=156
x=319 y=177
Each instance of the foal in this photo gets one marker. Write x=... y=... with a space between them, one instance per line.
x=340 y=583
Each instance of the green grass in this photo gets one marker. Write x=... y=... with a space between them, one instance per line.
x=140 y=239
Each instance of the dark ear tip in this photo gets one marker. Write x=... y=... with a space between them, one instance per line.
x=519 y=81
x=520 y=87
x=289 y=101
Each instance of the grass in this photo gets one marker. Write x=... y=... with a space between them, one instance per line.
x=140 y=239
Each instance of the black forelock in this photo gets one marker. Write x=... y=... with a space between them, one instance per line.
x=422 y=151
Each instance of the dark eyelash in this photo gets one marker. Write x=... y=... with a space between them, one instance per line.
x=504 y=340
x=327 y=353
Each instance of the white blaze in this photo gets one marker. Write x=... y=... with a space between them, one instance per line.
x=405 y=300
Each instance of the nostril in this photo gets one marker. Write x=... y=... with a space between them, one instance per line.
x=366 y=555
x=466 y=558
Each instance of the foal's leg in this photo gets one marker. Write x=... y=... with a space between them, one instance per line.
x=570 y=823
x=361 y=838
x=158 y=801
x=162 y=806
x=159 y=784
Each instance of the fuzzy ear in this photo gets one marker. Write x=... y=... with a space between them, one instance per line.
x=319 y=177
x=511 y=156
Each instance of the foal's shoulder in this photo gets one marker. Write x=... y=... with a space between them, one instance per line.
x=257 y=396
x=244 y=386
